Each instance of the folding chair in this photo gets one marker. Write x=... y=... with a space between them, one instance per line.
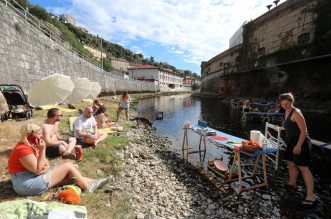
x=274 y=141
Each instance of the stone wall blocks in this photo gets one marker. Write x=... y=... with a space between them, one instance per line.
x=29 y=57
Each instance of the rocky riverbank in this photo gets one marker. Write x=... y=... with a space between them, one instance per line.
x=161 y=185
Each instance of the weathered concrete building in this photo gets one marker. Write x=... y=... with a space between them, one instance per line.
x=95 y=52
x=164 y=78
x=120 y=64
x=289 y=25
x=66 y=18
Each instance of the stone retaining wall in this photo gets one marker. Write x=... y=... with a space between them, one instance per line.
x=27 y=55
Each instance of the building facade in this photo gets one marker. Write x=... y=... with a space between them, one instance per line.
x=164 y=78
x=256 y=44
x=120 y=64
x=96 y=53
x=66 y=18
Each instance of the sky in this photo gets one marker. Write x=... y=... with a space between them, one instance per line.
x=182 y=33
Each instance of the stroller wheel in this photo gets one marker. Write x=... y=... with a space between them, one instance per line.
x=5 y=117
x=28 y=115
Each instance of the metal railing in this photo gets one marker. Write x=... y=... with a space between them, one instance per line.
x=24 y=13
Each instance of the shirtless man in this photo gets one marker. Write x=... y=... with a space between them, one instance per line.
x=55 y=144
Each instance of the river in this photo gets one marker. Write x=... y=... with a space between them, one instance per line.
x=219 y=115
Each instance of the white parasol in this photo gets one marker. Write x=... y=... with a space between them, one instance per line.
x=81 y=90
x=52 y=89
x=95 y=90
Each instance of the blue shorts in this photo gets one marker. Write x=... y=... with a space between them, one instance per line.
x=28 y=183
x=80 y=139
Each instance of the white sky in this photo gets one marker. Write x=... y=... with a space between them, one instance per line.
x=197 y=30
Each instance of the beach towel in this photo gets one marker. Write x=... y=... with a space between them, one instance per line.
x=71 y=122
x=25 y=208
x=62 y=108
x=107 y=130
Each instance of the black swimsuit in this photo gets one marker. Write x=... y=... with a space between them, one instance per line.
x=293 y=135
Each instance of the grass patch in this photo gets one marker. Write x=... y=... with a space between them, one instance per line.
x=114 y=205
x=97 y=163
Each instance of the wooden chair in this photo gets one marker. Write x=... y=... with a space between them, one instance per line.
x=274 y=141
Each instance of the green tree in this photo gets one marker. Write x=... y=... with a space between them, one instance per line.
x=40 y=13
x=151 y=59
x=107 y=64
x=24 y=3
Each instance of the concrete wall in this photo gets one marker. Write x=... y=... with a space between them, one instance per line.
x=223 y=62
x=27 y=55
x=275 y=30
x=281 y=26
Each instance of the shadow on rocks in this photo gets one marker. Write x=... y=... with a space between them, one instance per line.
x=197 y=184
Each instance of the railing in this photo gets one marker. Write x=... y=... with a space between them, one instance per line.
x=24 y=13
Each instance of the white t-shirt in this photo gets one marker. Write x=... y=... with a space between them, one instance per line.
x=84 y=124
x=123 y=104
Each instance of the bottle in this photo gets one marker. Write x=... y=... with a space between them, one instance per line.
x=79 y=152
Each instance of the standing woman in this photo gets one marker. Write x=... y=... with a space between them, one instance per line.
x=297 y=153
x=124 y=105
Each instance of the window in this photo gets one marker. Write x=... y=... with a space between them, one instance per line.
x=304 y=38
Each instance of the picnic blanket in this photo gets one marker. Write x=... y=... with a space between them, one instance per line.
x=107 y=130
x=25 y=208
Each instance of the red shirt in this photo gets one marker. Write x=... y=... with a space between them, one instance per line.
x=20 y=150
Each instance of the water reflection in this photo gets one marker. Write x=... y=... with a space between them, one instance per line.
x=179 y=108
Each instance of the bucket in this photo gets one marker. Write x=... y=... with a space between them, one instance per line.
x=256 y=136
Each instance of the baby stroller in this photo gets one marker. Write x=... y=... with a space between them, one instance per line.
x=18 y=104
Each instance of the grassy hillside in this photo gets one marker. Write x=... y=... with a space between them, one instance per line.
x=77 y=37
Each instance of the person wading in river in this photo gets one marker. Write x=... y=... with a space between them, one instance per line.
x=297 y=153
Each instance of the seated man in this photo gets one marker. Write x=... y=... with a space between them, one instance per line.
x=86 y=130
x=55 y=144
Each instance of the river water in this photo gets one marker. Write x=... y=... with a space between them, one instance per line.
x=219 y=115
